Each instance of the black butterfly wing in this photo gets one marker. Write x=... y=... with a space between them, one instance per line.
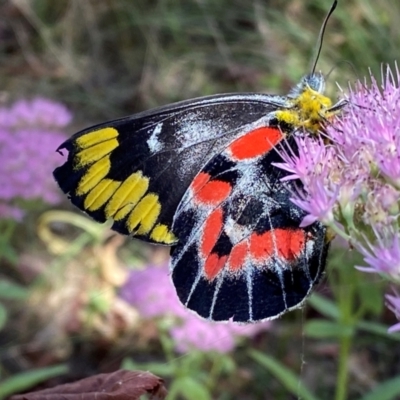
x=242 y=253
x=135 y=170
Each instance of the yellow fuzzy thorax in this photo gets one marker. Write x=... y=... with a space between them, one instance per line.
x=308 y=110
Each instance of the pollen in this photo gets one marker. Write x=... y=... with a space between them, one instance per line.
x=308 y=110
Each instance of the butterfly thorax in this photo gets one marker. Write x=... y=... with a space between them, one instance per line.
x=307 y=106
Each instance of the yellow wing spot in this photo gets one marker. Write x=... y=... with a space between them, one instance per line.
x=100 y=194
x=309 y=110
x=93 y=176
x=127 y=196
x=95 y=153
x=94 y=137
x=162 y=234
x=149 y=220
x=123 y=212
x=144 y=214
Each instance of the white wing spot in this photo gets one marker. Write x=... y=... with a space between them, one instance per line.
x=153 y=141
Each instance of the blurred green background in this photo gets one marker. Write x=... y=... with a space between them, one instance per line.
x=109 y=58
x=61 y=314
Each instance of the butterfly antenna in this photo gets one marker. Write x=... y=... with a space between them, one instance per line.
x=321 y=35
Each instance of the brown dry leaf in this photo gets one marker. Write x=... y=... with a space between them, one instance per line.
x=118 y=385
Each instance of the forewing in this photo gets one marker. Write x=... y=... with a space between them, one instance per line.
x=135 y=170
x=242 y=254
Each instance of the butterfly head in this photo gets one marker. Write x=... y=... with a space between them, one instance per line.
x=314 y=82
x=306 y=106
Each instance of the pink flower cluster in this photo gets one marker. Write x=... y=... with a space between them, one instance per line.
x=351 y=176
x=30 y=131
x=152 y=293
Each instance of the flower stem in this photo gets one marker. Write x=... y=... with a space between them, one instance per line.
x=342 y=377
x=345 y=297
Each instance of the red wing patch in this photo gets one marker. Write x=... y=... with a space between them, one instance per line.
x=241 y=253
x=211 y=231
x=255 y=143
x=213 y=265
x=238 y=255
x=285 y=243
x=209 y=191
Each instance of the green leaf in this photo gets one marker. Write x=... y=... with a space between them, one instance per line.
x=129 y=364
x=3 y=316
x=98 y=301
x=189 y=389
x=25 y=380
x=324 y=306
x=288 y=379
x=8 y=253
x=385 y=391
x=225 y=363
x=377 y=329
x=371 y=296
x=161 y=369
x=321 y=328
x=12 y=291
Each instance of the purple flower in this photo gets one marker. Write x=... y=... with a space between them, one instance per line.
x=152 y=293
x=319 y=204
x=383 y=256
x=39 y=112
x=351 y=180
x=29 y=134
x=393 y=303
x=194 y=332
x=321 y=183
x=12 y=212
x=356 y=178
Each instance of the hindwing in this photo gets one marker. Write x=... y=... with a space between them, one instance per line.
x=242 y=254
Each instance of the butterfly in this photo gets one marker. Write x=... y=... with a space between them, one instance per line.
x=199 y=176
